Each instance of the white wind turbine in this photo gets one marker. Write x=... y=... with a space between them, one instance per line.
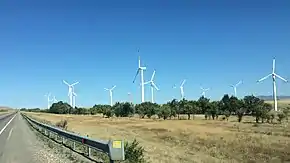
x=71 y=94
x=48 y=100
x=174 y=87
x=181 y=89
x=111 y=94
x=141 y=71
x=204 y=90
x=235 y=87
x=54 y=99
x=274 y=75
x=152 y=85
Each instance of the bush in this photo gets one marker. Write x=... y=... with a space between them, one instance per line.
x=62 y=124
x=134 y=153
x=281 y=116
x=227 y=114
x=108 y=112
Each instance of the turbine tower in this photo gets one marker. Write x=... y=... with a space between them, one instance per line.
x=48 y=100
x=71 y=93
x=152 y=85
x=181 y=89
x=111 y=94
x=274 y=75
x=141 y=71
x=204 y=91
x=235 y=87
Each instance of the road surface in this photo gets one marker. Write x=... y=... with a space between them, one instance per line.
x=19 y=144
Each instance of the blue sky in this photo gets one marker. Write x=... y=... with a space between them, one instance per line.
x=209 y=43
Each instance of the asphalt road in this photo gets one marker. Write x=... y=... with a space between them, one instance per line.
x=19 y=144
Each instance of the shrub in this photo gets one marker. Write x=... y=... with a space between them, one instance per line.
x=227 y=114
x=281 y=116
x=134 y=153
x=240 y=113
x=62 y=124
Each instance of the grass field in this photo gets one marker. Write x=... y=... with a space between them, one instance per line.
x=281 y=103
x=4 y=111
x=189 y=141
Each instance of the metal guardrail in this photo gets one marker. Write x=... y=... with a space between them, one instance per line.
x=113 y=148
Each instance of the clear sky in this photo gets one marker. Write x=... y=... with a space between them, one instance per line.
x=210 y=43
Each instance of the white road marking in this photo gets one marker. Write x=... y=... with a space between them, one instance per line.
x=7 y=124
x=10 y=133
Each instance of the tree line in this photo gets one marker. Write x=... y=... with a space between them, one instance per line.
x=226 y=107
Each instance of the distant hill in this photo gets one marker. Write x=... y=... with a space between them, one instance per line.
x=5 y=108
x=266 y=98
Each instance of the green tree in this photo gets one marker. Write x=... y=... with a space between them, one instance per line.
x=188 y=109
x=60 y=108
x=225 y=104
x=251 y=103
x=173 y=108
x=234 y=104
x=214 y=109
x=164 y=111
x=203 y=104
x=140 y=110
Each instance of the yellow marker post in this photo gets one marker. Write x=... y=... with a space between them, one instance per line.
x=117 y=144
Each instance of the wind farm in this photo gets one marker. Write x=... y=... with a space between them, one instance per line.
x=153 y=87
x=145 y=82
x=207 y=119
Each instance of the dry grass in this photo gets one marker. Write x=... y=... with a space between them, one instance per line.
x=281 y=103
x=189 y=140
x=4 y=111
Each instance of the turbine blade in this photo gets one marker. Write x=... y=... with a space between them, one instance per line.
x=136 y=75
x=74 y=83
x=113 y=87
x=106 y=89
x=273 y=68
x=240 y=82
x=139 y=61
x=281 y=78
x=65 y=82
x=147 y=82
x=74 y=94
x=154 y=85
x=182 y=83
x=264 y=78
x=152 y=77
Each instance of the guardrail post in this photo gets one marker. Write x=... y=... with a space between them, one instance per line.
x=89 y=149
x=74 y=145
x=62 y=140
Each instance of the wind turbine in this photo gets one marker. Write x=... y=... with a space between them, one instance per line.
x=48 y=100
x=274 y=75
x=203 y=91
x=54 y=99
x=235 y=87
x=140 y=70
x=111 y=93
x=71 y=93
x=152 y=85
x=181 y=89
